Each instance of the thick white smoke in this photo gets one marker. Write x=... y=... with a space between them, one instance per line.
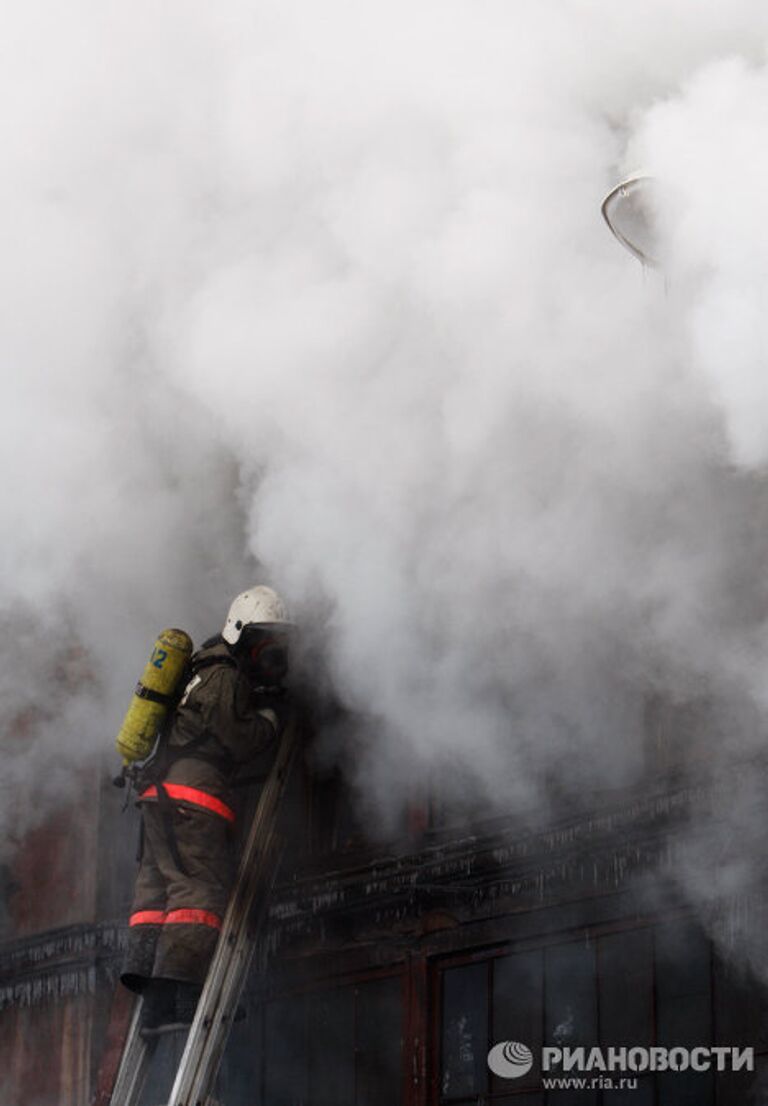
x=320 y=294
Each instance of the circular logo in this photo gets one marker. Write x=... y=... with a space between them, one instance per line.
x=510 y=1059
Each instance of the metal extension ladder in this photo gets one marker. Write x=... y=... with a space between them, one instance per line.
x=208 y=1034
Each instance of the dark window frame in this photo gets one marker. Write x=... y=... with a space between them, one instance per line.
x=490 y=953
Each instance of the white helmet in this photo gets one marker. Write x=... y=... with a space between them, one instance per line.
x=259 y=606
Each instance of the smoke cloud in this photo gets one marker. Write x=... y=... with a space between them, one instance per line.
x=319 y=295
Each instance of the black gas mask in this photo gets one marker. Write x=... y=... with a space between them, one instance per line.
x=264 y=657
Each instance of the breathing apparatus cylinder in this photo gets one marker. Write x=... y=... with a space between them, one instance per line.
x=155 y=693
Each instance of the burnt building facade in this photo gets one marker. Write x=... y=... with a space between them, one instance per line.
x=386 y=972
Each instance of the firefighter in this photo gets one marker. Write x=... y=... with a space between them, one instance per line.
x=224 y=733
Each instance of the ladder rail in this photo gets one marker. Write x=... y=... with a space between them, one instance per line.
x=134 y=1063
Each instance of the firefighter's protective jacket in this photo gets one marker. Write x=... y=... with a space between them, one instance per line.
x=230 y=732
x=222 y=734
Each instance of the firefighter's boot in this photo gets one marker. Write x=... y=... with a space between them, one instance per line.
x=187 y=998
x=159 y=1003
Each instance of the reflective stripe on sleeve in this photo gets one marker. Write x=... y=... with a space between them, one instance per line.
x=147 y=918
x=193 y=917
x=193 y=795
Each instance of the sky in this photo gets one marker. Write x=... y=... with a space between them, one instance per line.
x=320 y=296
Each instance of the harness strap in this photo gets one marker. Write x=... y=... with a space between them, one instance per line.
x=165 y=807
x=142 y=692
x=140 y=843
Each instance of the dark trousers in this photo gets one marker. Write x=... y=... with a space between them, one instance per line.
x=176 y=917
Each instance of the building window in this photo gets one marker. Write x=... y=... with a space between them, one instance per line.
x=342 y=1044
x=639 y=988
x=336 y=1047
x=465 y=1032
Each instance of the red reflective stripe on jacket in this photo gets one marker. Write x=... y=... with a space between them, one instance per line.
x=147 y=918
x=193 y=917
x=192 y=795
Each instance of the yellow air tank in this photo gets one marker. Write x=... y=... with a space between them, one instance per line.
x=154 y=693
